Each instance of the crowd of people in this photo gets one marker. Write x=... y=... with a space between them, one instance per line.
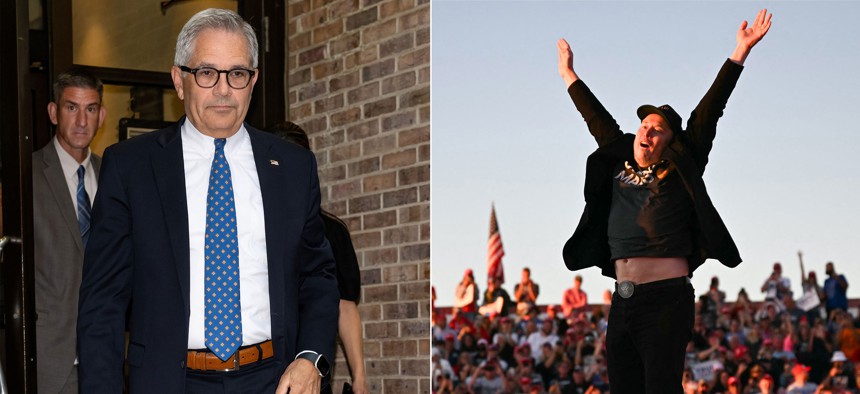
x=789 y=343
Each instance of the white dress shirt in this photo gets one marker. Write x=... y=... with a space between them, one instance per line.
x=70 y=174
x=198 y=150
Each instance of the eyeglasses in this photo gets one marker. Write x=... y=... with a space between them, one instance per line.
x=207 y=77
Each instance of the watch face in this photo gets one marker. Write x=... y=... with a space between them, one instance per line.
x=322 y=365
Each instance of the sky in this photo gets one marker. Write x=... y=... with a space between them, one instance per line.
x=782 y=172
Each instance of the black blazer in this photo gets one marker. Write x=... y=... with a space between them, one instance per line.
x=138 y=257
x=589 y=245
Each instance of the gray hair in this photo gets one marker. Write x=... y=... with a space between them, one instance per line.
x=213 y=18
x=77 y=78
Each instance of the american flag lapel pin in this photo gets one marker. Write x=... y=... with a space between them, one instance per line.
x=274 y=162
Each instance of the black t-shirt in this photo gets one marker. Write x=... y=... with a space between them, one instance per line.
x=649 y=216
x=348 y=273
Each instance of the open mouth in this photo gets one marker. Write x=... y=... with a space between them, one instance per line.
x=644 y=145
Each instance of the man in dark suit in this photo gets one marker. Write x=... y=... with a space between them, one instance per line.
x=649 y=223
x=65 y=176
x=210 y=230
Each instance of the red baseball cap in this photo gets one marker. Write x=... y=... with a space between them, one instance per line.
x=525 y=380
x=799 y=369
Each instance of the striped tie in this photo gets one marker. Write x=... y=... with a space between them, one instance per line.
x=84 y=209
x=223 y=309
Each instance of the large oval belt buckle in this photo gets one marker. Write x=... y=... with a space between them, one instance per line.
x=625 y=289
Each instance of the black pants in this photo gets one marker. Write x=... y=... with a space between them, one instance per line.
x=647 y=337
x=253 y=379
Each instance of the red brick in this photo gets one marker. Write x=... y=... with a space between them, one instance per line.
x=379 y=257
x=371 y=277
x=425 y=232
x=301 y=40
x=400 y=235
x=412 y=175
x=379 y=293
x=415 y=97
x=399 y=159
x=327 y=32
x=377 y=70
x=380 y=219
x=372 y=349
x=399 y=349
x=365 y=240
x=384 y=329
x=418 y=57
x=424 y=114
x=382 y=367
x=396 y=45
x=379 y=31
x=362 y=18
x=343 y=82
x=298 y=8
x=364 y=166
x=414 y=291
x=424 y=193
x=424 y=75
x=392 y=7
x=363 y=57
x=341 y=8
x=335 y=207
x=369 y=312
x=415 y=19
x=326 y=69
x=413 y=214
x=309 y=91
x=380 y=182
x=353 y=223
x=300 y=77
x=311 y=20
x=398 y=82
x=415 y=367
x=380 y=107
x=312 y=55
x=424 y=269
x=364 y=204
x=362 y=130
x=424 y=153
x=332 y=174
x=301 y=111
x=325 y=139
x=399 y=311
x=343 y=191
x=312 y=126
x=344 y=44
x=363 y=92
x=292 y=97
x=415 y=252
x=412 y=137
x=424 y=347
x=424 y=386
x=399 y=120
x=345 y=152
x=400 y=273
x=329 y=103
x=378 y=145
x=347 y=116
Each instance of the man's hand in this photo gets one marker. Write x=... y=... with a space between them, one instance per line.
x=565 y=63
x=300 y=377
x=747 y=37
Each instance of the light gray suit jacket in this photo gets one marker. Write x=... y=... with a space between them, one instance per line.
x=59 y=254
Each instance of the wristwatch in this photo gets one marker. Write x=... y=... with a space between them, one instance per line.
x=317 y=359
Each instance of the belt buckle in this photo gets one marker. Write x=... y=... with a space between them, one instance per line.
x=625 y=289
x=235 y=363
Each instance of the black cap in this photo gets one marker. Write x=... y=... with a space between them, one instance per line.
x=666 y=111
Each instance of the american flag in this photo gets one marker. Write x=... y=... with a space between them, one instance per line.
x=495 y=251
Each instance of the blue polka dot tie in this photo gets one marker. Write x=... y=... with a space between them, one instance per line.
x=223 y=309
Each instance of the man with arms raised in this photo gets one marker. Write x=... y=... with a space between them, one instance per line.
x=649 y=223
x=210 y=230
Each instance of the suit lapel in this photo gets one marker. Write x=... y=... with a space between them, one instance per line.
x=60 y=189
x=273 y=188
x=169 y=169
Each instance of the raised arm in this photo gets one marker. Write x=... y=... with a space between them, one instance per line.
x=748 y=36
x=600 y=123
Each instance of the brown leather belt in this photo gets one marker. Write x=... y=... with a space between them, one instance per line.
x=204 y=360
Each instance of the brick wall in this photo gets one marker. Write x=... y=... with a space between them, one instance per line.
x=359 y=84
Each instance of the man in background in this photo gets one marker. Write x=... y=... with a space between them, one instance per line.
x=65 y=175
x=835 y=288
x=574 y=300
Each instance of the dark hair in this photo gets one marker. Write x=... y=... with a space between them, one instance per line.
x=78 y=78
x=291 y=132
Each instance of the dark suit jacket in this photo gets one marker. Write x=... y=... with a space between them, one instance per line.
x=59 y=258
x=589 y=245
x=138 y=254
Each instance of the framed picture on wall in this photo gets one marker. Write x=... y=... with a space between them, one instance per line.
x=130 y=128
